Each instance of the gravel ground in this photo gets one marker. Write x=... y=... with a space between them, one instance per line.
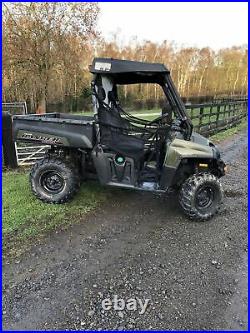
x=139 y=246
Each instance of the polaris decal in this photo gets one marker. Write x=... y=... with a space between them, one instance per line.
x=103 y=66
x=40 y=137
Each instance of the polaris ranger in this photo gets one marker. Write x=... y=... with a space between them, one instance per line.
x=122 y=150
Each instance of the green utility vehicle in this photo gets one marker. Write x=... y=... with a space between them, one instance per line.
x=119 y=149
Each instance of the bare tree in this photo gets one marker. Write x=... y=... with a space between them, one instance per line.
x=38 y=38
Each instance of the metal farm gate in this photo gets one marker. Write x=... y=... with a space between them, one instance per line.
x=15 y=107
x=25 y=153
x=28 y=154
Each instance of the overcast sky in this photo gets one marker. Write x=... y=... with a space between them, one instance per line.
x=216 y=25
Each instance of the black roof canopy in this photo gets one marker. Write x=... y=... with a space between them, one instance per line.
x=128 y=72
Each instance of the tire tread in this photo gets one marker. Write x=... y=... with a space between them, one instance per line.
x=74 y=183
x=187 y=193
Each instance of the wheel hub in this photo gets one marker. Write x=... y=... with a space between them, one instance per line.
x=52 y=182
x=204 y=197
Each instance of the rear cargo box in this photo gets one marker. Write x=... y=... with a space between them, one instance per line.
x=55 y=129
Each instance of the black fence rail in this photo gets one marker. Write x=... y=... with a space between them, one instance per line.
x=216 y=116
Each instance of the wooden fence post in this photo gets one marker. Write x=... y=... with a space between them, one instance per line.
x=8 y=144
x=200 y=117
x=218 y=115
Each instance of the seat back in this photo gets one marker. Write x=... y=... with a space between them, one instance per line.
x=114 y=129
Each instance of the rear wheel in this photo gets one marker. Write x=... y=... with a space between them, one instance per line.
x=200 y=196
x=54 y=180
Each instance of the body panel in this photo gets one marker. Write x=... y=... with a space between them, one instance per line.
x=179 y=149
x=110 y=172
x=52 y=129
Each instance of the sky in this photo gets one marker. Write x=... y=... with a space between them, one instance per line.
x=217 y=25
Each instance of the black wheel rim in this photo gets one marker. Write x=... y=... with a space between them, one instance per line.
x=52 y=182
x=204 y=197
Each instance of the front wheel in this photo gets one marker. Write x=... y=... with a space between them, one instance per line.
x=54 y=180
x=200 y=196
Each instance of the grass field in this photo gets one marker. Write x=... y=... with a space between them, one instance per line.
x=216 y=138
x=154 y=113
x=25 y=218
x=143 y=114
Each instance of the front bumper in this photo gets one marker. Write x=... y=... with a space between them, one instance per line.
x=221 y=167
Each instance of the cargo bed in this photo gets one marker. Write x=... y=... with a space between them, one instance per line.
x=55 y=129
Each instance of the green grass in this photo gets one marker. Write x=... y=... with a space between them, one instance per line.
x=138 y=112
x=229 y=132
x=26 y=218
x=155 y=110
x=147 y=114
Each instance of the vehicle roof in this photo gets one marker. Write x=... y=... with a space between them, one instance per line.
x=127 y=71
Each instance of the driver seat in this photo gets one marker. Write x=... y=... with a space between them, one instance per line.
x=114 y=129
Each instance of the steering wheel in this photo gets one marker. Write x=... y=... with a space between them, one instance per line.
x=158 y=119
x=177 y=125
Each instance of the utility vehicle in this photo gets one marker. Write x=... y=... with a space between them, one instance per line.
x=119 y=149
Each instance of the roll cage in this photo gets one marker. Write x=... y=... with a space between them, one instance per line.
x=108 y=73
